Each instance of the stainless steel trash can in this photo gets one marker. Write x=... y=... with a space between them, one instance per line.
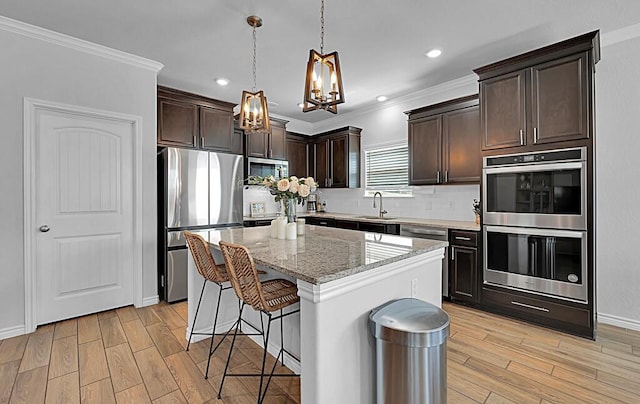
x=411 y=352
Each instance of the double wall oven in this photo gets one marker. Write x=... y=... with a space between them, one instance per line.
x=535 y=222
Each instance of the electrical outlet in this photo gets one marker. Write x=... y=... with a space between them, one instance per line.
x=414 y=287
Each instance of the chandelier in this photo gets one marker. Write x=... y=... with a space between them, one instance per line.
x=323 y=83
x=254 y=114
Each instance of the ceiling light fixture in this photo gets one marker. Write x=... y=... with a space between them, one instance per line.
x=254 y=113
x=381 y=98
x=433 y=53
x=221 y=81
x=323 y=83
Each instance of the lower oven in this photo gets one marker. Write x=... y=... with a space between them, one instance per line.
x=544 y=261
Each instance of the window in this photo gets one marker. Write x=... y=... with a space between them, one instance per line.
x=387 y=171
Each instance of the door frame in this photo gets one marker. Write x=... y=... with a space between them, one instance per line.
x=31 y=108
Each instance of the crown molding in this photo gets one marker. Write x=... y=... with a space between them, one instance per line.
x=620 y=35
x=42 y=34
x=296 y=125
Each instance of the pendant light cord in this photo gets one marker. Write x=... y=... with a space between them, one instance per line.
x=254 y=59
x=322 y=27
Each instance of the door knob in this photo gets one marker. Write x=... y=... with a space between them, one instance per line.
x=44 y=228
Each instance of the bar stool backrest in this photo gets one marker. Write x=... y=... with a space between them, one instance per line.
x=243 y=275
x=203 y=259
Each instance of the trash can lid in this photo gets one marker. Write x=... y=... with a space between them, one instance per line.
x=410 y=322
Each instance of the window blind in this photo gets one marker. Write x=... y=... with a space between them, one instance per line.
x=387 y=169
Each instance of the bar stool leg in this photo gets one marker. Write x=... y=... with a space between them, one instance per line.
x=204 y=284
x=213 y=332
x=264 y=362
x=281 y=339
x=233 y=341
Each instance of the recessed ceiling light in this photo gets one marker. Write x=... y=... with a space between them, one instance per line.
x=433 y=53
x=381 y=98
x=222 y=81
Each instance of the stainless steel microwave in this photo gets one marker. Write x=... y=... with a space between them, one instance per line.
x=265 y=167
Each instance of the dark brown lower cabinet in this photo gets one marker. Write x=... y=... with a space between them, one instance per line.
x=464 y=269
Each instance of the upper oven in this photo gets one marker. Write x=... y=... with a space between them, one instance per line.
x=539 y=189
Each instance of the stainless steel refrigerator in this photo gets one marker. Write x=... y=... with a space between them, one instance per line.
x=198 y=190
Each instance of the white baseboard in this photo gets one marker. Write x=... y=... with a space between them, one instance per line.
x=150 y=301
x=619 y=321
x=12 y=332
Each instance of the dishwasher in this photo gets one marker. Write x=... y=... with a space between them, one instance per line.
x=431 y=233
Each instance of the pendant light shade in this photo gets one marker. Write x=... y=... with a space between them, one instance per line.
x=254 y=113
x=323 y=81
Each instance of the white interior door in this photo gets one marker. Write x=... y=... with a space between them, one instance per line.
x=84 y=214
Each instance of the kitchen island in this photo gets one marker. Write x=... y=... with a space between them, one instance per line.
x=341 y=275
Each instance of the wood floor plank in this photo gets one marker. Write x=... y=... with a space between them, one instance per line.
x=30 y=386
x=596 y=386
x=498 y=399
x=483 y=354
x=37 y=352
x=112 y=332
x=122 y=368
x=45 y=328
x=88 y=329
x=457 y=356
x=194 y=387
x=632 y=386
x=8 y=373
x=157 y=377
x=64 y=357
x=467 y=387
x=100 y=392
x=137 y=335
x=163 y=338
x=92 y=362
x=619 y=334
x=136 y=394
x=180 y=334
x=66 y=329
x=64 y=390
x=182 y=309
x=12 y=349
x=175 y=397
x=148 y=316
x=454 y=397
x=171 y=318
x=103 y=315
x=127 y=313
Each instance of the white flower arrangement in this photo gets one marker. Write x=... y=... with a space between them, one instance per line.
x=286 y=188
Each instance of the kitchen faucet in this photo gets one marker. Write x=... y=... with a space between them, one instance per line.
x=382 y=211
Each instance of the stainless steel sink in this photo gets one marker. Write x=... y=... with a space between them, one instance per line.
x=375 y=217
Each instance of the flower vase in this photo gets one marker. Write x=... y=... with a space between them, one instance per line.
x=290 y=209
x=477 y=218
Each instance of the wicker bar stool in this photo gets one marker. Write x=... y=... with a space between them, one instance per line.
x=217 y=274
x=266 y=297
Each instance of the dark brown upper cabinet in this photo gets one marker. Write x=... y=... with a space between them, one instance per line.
x=190 y=120
x=268 y=145
x=298 y=154
x=444 y=143
x=335 y=158
x=541 y=97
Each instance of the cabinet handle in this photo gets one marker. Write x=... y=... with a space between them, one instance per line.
x=535 y=135
x=521 y=137
x=325 y=183
x=463 y=238
x=438 y=176
x=194 y=142
x=201 y=140
x=453 y=255
x=528 y=306
x=446 y=175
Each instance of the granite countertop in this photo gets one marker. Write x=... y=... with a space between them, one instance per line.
x=446 y=224
x=323 y=254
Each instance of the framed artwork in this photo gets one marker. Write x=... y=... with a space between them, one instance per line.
x=257 y=209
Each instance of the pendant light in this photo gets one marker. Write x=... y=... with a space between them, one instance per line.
x=254 y=114
x=323 y=83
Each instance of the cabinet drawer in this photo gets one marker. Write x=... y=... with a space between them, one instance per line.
x=528 y=306
x=464 y=238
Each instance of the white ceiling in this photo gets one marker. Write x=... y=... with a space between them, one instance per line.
x=381 y=43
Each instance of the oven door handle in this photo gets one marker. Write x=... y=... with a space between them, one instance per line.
x=535 y=167
x=532 y=231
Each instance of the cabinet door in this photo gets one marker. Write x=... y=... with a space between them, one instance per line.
x=321 y=159
x=297 y=157
x=559 y=100
x=216 y=129
x=178 y=123
x=425 y=145
x=462 y=143
x=339 y=163
x=257 y=143
x=503 y=111
x=237 y=141
x=463 y=272
x=278 y=142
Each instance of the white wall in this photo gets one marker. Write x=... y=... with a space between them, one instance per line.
x=618 y=183
x=43 y=70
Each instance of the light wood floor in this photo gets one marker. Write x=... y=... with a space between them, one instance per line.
x=137 y=355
